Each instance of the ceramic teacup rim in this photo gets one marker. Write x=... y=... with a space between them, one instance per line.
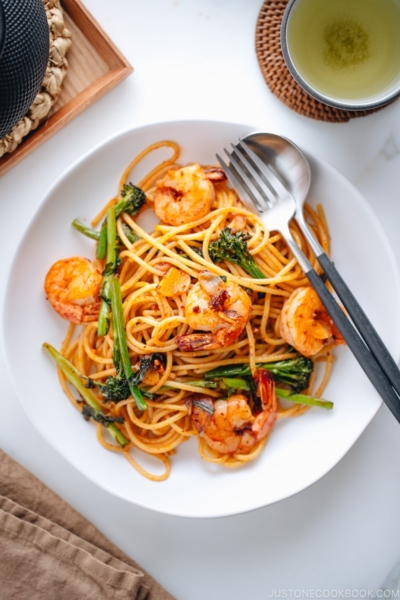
x=358 y=105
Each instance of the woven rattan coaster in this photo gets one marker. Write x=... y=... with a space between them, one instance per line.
x=277 y=75
x=60 y=42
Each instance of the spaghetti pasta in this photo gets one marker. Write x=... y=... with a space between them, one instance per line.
x=157 y=322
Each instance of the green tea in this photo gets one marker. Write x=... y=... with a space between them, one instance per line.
x=346 y=49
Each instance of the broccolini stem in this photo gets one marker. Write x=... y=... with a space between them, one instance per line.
x=102 y=245
x=74 y=377
x=111 y=235
x=90 y=233
x=130 y=234
x=120 y=207
x=229 y=371
x=133 y=198
x=235 y=383
x=253 y=270
x=201 y=383
x=121 y=356
x=104 y=315
x=103 y=242
x=242 y=384
x=303 y=399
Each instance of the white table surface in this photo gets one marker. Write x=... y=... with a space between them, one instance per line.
x=196 y=59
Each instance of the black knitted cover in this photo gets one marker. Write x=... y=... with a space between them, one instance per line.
x=24 y=59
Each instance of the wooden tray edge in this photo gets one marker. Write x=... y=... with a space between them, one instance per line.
x=87 y=23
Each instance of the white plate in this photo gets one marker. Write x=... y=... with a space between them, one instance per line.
x=300 y=451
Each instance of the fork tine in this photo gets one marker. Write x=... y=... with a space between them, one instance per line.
x=264 y=186
x=270 y=178
x=260 y=200
x=237 y=185
x=240 y=186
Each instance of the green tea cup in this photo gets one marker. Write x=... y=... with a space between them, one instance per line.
x=345 y=53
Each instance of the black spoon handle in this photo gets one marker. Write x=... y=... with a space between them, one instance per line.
x=361 y=321
x=356 y=344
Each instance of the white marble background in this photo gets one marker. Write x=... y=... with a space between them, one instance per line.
x=196 y=59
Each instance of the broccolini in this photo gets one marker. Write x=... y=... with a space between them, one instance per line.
x=233 y=248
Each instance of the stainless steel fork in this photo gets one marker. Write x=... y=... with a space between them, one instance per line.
x=276 y=212
x=277 y=209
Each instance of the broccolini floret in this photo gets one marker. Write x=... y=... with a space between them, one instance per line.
x=233 y=248
x=133 y=198
x=118 y=388
x=294 y=372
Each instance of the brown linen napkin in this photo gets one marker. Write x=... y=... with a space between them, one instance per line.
x=49 y=551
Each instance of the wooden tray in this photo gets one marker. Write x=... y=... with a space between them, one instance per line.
x=95 y=67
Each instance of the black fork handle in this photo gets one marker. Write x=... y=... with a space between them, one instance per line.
x=357 y=346
x=361 y=321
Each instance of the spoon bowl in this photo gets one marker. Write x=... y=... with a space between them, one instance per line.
x=287 y=160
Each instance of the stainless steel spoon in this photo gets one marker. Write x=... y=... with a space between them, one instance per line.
x=288 y=170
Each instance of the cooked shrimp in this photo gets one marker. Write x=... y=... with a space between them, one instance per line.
x=215 y=174
x=185 y=195
x=215 y=306
x=230 y=426
x=72 y=286
x=238 y=223
x=305 y=324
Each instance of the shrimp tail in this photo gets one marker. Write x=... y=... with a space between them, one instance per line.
x=91 y=312
x=207 y=341
x=266 y=403
x=200 y=408
x=196 y=341
x=263 y=425
x=215 y=174
x=337 y=336
x=75 y=313
x=265 y=397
